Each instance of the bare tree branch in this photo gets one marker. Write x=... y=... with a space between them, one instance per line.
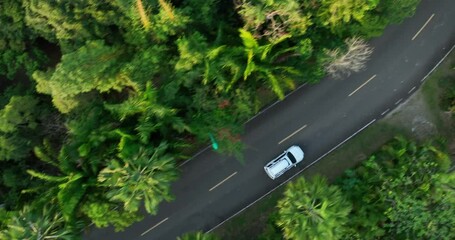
x=353 y=60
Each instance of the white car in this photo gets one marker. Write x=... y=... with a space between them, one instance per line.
x=284 y=162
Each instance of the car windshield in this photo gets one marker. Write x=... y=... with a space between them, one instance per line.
x=292 y=158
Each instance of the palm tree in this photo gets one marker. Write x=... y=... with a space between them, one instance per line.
x=223 y=67
x=312 y=210
x=46 y=224
x=142 y=175
x=153 y=116
x=67 y=188
x=263 y=63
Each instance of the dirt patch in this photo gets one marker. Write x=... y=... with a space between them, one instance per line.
x=414 y=116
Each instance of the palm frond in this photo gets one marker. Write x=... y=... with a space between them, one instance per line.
x=214 y=53
x=250 y=66
x=248 y=39
x=275 y=84
x=46 y=177
x=70 y=194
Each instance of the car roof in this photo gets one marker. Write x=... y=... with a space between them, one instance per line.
x=278 y=166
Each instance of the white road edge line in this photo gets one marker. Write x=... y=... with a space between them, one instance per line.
x=412 y=89
x=386 y=111
x=154 y=226
x=292 y=134
x=424 y=25
x=281 y=184
x=437 y=64
x=397 y=102
x=222 y=181
x=183 y=163
x=371 y=78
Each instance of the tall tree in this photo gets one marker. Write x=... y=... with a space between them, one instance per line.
x=140 y=174
x=261 y=62
x=273 y=19
x=397 y=193
x=66 y=189
x=93 y=67
x=103 y=212
x=16 y=41
x=313 y=210
x=153 y=117
x=51 y=20
x=386 y=12
x=335 y=14
x=353 y=59
x=20 y=120
x=45 y=223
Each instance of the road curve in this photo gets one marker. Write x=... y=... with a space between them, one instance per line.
x=318 y=117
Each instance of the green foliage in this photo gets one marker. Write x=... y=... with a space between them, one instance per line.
x=12 y=147
x=13 y=180
x=29 y=224
x=198 y=236
x=335 y=14
x=46 y=18
x=192 y=51
x=168 y=21
x=92 y=67
x=146 y=65
x=152 y=117
x=223 y=120
x=70 y=191
x=93 y=140
x=313 y=210
x=67 y=189
x=261 y=60
x=271 y=231
x=5 y=217
x=395 y=12
x=104 y=213
x=386 y=12
x=204 y=13
x=19 y=120
x=149 y=72
x=16 y=41
x=274 y=19
x=223 y=68
x=393 y=193
x=19 y=113
x=144 y=175
x=447 y=96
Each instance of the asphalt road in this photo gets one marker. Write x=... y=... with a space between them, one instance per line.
x=320 y=117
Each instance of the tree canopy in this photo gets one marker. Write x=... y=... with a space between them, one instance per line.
x=100 y=100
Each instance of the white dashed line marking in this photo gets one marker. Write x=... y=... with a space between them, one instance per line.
x=397 y=102
x=412 y=89
x=154 y=226
x=292 y=134
x=424 y=25
x=371 y=78
x=222 y=181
